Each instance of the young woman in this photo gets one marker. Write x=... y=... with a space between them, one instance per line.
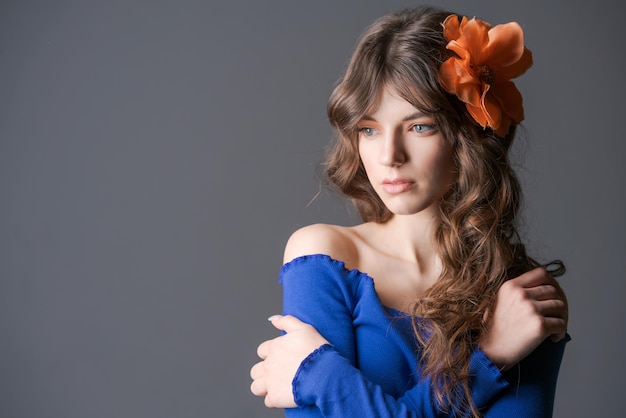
x=431 y=306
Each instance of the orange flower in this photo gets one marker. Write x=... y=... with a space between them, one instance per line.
x=480 y=75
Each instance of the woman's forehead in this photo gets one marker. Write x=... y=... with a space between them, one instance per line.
x=398 y=90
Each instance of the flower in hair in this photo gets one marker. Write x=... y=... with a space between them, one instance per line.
x=480 y=74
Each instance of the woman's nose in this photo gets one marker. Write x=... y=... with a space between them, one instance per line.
x=393 y=152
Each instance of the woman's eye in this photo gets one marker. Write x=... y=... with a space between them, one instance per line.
x=422 y=128
x=367 y=131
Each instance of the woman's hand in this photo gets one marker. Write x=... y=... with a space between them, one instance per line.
x=528 y=309
x=281 y=357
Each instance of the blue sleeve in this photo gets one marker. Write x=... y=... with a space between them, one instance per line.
x=327 y=380
x=532 y=384
x=328 y=383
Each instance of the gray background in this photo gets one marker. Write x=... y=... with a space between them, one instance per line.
x=156 y=155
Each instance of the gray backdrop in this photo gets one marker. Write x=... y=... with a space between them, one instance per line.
x=156 y=155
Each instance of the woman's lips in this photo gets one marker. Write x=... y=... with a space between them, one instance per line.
x=395 y=186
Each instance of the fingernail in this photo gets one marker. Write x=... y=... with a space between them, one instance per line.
x=273 y=317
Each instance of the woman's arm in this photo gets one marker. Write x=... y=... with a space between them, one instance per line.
x=327 y=380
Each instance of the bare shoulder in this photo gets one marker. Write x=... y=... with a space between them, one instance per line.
x=335 y=241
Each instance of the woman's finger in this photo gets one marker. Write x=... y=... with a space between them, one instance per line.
x=552 y=308
x=263 y=349
x=556 y=328
x=258 y=388
x=543 y=292
x=256 y=371
x=534 y=277
x=286 y=323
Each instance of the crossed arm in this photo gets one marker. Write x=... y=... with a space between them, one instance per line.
x=529 y=309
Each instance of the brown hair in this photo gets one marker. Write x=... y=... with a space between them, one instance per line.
x=476 y=238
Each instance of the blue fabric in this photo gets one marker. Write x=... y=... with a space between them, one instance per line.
x=371 y=368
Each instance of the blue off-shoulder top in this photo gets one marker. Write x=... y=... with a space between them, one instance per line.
x=371 y=366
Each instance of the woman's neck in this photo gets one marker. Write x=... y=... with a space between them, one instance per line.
x=399 y=254
x=407 y=237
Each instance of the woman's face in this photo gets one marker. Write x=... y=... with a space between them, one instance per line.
x=408 y=161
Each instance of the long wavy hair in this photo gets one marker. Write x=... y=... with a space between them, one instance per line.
x=476 y=238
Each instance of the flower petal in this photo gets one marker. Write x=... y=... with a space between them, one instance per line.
x=478 y=114
x=457 y=79
x=448 y=76
x=460 y=50
x=510 y=100
x=516 y=69
x=505 y=45
x=474 y=38
x=493 y=111
x=451 y=27
x=505 y=126
x=469 y=93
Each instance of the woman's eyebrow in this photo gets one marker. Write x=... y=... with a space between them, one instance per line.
x=412 y=116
